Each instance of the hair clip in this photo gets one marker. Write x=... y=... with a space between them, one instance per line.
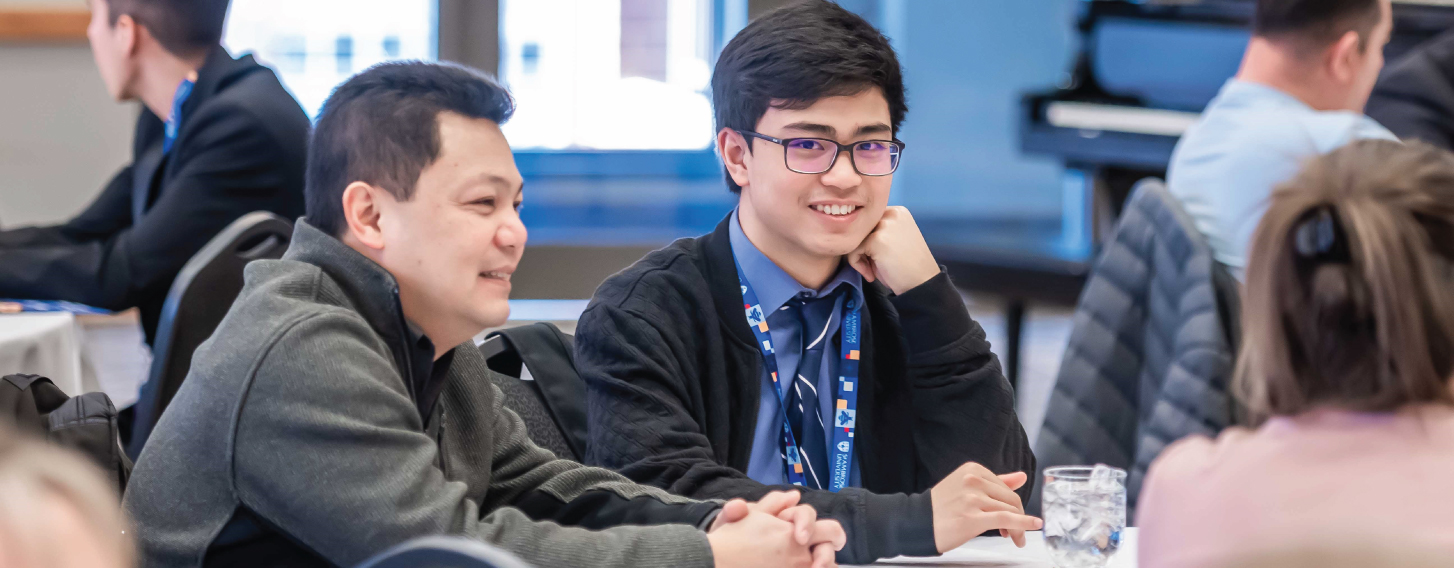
x=1319 y=237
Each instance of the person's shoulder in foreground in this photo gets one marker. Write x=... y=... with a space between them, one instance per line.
x=217 y=138
x=1345 y=358
x=903 y=426
x=1292 y=483
x=331 y=415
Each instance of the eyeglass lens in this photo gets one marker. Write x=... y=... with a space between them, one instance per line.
x=872 y=158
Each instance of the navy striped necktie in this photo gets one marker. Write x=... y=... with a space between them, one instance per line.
x=802 y=398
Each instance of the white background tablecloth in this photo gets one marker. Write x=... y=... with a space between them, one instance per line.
x=79 y=354
x=1001 y=553
x=45 y=344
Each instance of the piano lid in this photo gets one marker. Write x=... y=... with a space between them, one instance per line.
x=1145 y=69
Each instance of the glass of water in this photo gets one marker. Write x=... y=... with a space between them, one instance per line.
x=1085 y=511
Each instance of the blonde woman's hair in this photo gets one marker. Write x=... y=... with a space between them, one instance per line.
x=1349 y=300
x=34 y=478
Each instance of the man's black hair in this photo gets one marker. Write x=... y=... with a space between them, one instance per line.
x=184 y=27
x=1316 y=24
x=799 y=53
x=381 y=127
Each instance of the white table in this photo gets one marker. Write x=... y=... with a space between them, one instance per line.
x=562 y=313
x=1001 y=553
x=46 y=344
x=80 y=354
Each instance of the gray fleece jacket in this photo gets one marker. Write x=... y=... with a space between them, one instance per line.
x=296 y=440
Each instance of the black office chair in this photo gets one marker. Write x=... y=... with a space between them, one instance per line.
x=200 y=296
x=444 y=552
x=553 y=403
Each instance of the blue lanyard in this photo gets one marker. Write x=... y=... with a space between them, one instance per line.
x=174 y=121
x=845 y=407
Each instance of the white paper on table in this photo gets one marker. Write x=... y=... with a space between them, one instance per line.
x=1001 y=552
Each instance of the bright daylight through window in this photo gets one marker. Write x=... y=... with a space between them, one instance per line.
x=581 y=85
x=315 y=44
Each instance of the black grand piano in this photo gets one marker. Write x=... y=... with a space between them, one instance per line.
x=1143 y=73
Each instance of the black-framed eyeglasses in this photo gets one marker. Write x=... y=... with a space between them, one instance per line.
x=817 y=155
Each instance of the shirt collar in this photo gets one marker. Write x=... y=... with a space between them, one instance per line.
x=420 y=342
x=773 y=285
x=1239 y=91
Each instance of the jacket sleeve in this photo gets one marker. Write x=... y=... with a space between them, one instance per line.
x=964 y=408
x=107 y=215
x=227 y=170
x=331 y=450
x=642 y=425
x=1415 y=96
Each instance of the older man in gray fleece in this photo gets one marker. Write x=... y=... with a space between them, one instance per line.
x=331 y=415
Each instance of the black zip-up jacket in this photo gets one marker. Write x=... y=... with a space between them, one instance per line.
x=673 y=376
x=241 y=148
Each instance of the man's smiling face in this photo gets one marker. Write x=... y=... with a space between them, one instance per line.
x=823 y=215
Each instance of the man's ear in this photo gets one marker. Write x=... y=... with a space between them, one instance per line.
x=362 y=212
x=733 y=150
x=1345 y=57
x=128 y=34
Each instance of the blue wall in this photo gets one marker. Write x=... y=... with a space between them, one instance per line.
x=966 y=63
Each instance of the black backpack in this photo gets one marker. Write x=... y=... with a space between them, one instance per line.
x=85 y=423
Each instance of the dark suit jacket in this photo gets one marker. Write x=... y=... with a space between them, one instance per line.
x=1414 y=97
x=673 y=376
x=241 y=148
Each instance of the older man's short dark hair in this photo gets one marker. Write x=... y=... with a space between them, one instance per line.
x=1315 y=24
x=184 y=27
x=381 y=127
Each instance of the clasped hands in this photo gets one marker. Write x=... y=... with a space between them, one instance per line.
x=774 y=531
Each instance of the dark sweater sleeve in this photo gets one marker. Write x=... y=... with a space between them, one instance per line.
x=229 y=169
x=643 y=423
x=964 y=408
x=330 y=449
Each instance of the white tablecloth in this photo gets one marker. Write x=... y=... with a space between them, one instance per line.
x=45 y=344
x=1001 y=553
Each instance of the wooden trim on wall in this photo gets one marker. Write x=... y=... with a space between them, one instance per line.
x=43 y=24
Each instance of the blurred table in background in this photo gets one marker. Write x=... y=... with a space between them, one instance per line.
x=1001 y=553
x=114 y=348
x=46 y=344
x=563 y=313
x=79 y=353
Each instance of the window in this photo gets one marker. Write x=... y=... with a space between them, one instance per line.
x=581 y=85
x=315 y=44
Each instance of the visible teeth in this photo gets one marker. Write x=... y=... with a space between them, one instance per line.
x=835 y=210
x=498 y=275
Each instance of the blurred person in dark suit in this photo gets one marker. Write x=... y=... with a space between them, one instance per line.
x=217 y=138
x=1415 y=96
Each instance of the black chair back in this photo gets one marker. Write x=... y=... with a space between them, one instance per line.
x=199 y=298
x=1152 y=351
x=552 y=403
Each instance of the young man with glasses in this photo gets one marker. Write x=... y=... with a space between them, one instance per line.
x=816 y=297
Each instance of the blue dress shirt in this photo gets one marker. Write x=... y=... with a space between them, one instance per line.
x=774 y=289
x=1250 y=139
